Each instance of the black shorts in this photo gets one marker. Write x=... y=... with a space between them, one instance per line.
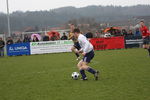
x=146 y=40
x=89 y=56
x=77 y=45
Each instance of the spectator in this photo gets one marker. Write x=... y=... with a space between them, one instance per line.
x=35 y=39
x=19 y=41
x=107 y=35
x=117 y=32
x=89 y=34
x=54 y=37
x=64 y=37
x=97 y=34
x=26 y=38
x=112 y=31
x=124 y=32
x=9 y=41
x=2 y=44
x=137 y=32
x=130 y=33
x=46 y=38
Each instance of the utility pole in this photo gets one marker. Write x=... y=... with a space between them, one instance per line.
x=8 y=19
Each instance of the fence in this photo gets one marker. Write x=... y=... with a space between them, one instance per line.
x=39 y=47
x=65 y=45
x=133 y=41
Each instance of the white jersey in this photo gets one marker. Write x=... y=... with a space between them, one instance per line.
x=86 y=46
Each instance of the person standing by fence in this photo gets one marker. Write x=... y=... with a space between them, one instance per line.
x=2 y=44
x=9 y=41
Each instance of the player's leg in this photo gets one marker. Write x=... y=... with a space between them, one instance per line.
x=146 y=44
x=90 y=69
x=73 y=49
x=87 y=58
x=82 y=71
x=149 y=51
x=148 y=47
x=78 y=47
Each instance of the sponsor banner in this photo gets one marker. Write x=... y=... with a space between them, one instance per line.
x=134 y=43
x=51 y=46
x=18 y=49
x=108 y=43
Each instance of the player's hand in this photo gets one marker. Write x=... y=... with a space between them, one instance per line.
x=83 y=54
x=80 y=51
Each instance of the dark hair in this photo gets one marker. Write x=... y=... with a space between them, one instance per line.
x=142 y=21
x=76 y=30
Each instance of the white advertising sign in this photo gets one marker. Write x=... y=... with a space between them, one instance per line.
x=51 y=46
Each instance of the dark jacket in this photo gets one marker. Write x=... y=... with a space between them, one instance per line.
x=89 y=35
x=10 y=42
x=26 y=39
x=2 y=44
x=35 y=40
x=64 y=37
x=46 y=38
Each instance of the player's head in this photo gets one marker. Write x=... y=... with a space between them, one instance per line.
x=142 y=23
x=76 y=32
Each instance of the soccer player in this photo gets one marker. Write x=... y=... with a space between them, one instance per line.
x=145 y=35
x=88 y=54
x=76 y=45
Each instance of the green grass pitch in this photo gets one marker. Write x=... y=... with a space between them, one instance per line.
x=125 y=75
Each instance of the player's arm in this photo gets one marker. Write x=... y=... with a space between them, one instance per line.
x=81 y=50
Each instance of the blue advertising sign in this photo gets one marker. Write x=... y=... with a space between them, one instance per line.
x=18 y=49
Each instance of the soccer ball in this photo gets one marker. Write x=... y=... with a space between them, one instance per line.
x=75 y=75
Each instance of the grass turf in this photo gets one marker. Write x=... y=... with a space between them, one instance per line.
x=125 y=75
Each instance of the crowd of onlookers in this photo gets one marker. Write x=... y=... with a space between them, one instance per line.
x=65 y=35
x=27 y=38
